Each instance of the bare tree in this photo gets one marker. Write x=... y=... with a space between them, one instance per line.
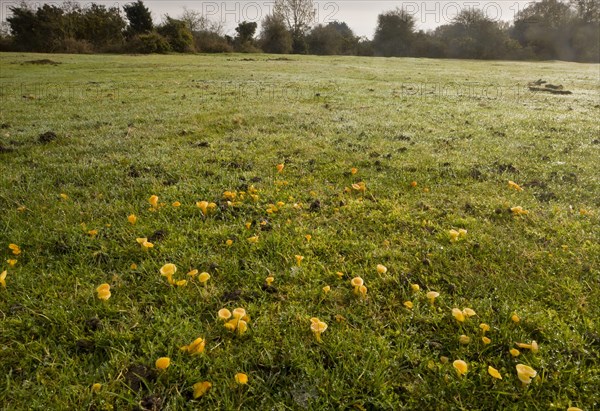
x=196 y=22
x=297 y=14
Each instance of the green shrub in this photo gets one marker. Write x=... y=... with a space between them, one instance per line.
x=149 y=43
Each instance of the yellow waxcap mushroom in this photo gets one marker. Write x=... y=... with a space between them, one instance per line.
x=525 y=373
x=533 y=346
x=242 y=327
x=201 y=388
x=103 y=291
x=518 y=210
x=460 y=366
x=203 y=206
x=494 y=372
x=362 y=290
x=241 y=378
x=458 y=315
x=484 y=327
x=163 y=363
x=204 y=277
x=453 y=235
x=153 y=200
x=239 y=313
x=357 y=282
x=224 y=314
x=196 y=347
x=432 y=295
x=514 y=186
x=168 y=269
x=317 y=327
x=381 y=269
x=231 y=325
x=469 y=312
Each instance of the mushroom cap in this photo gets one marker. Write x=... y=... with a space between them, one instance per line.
x=204 y=277
x=201 y=388
x=469 y=312
x=163 y=363
x=103 y=290
x=494 y=372
x=241 y=378
x=168 y=269
x=357 y=282
x=484 y=327
x=141 y=240
x=197 y=346
x=224 y=314
x=458 y=315
x=534 y=347
x=460 y=366
x=239 y=313
x=318 y=326
x=433 y=294
x=525 y=373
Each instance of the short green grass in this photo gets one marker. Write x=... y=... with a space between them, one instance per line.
x=188 y=128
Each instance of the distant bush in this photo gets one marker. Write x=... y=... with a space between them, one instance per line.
x=210 y=42
x=274 y=36
x=177 y=34
x=149 y=43
x=74 y=46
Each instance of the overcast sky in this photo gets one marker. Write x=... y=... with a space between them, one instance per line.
x=360 y=15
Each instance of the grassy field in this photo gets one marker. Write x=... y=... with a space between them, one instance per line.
x=85 y=143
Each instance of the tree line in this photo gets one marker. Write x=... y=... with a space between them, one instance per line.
x=548 y=29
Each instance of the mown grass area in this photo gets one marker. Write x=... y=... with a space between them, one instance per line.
x=435 y=144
